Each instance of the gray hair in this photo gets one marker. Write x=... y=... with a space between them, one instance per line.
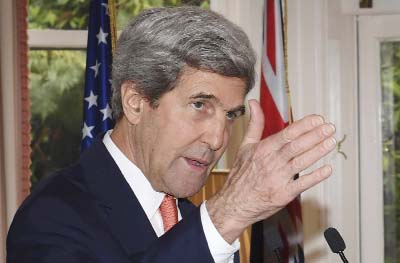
x=154 y=48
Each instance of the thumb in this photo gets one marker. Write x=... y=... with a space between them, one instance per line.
x=256 y=124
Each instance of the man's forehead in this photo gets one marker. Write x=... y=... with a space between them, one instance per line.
x=228 y=91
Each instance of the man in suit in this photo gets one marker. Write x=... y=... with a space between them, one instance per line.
x=180 y=77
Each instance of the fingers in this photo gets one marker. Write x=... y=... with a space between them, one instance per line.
x=256 y=124
x=309 y=180
x=306 y=141
x=293 y=131
x=310 y=157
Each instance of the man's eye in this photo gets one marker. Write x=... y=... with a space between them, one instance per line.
x=230 y=115
x=198 y=105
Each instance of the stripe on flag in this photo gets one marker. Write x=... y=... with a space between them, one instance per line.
x=97 y=95
x=274 y=102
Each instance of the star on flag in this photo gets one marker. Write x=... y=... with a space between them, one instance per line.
x=101 y=36
x=96 y=67
x=106 y=6
x=106 y=112
x=92 y=100
x=87 y=131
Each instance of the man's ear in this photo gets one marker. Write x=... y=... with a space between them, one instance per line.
x=132 y=102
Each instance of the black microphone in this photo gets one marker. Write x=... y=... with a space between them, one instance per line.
x=335 y=242
x=274 y=241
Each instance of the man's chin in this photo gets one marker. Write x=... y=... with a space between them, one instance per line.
x=187 y=190
x=188 y=182
x=185 y=193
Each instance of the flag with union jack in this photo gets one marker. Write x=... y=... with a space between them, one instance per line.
x=274 y=99
x=97 y=116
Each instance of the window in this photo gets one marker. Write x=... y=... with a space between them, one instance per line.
x=56 y=84
x=390 y=86
x=379 y=96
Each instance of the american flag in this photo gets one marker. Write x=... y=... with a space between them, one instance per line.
x=274 y=96
x=96 y=104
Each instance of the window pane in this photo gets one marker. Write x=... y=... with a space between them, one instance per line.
x=56 y=90
x=58 y=14
x=390 y=82
x=74 y=14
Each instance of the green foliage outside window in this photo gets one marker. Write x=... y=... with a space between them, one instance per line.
x=58 y=14
x=74 y=14
x=56 y=85
x=57 y=79
x=390 y=117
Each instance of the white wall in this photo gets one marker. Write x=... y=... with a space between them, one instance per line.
x=322 y=78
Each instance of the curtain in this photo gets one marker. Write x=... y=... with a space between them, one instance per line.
x=22 y=60
x=14 y=112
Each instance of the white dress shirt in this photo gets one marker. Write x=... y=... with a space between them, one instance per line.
x=150 y=201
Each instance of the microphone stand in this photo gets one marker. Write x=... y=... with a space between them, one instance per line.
x=278 y=256
x=343 y=257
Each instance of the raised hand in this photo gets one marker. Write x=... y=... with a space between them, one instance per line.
x=261 y=181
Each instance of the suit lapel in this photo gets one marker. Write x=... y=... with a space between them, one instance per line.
x=185 y=207
x=119 y=206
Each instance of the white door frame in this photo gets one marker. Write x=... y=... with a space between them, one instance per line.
x=372 y=31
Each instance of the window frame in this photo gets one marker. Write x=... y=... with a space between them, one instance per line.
x=373 y=30
x=57 y=39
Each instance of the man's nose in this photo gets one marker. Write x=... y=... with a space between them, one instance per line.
x=215 y=132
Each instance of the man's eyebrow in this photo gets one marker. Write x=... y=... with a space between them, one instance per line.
x=202 y=95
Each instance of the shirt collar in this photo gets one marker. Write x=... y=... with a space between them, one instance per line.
x=149 y=199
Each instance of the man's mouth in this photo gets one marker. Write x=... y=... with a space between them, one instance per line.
x=197 y=163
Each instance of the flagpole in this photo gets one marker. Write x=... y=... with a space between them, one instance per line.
x=113 y=22
x=285 y=51
x=285 y=55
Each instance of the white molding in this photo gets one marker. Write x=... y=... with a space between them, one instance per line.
x=10 y=105
x=380 y=7
x=60 y=39
x=372 y=31
x=349 y=6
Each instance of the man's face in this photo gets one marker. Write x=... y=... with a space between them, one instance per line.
x=178 y=143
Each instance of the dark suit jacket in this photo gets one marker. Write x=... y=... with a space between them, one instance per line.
x=88 y=213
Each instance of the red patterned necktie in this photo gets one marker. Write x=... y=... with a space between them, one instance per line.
x=169 y=212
